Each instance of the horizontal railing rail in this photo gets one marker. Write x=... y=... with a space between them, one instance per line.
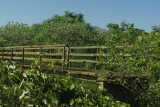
x=61 y=52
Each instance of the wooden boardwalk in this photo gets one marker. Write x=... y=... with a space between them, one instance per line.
x=71 y=59
x=68 y=58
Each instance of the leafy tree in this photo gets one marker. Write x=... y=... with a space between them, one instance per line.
x=15 y=34
x=156 y=28
x=124 y=26
x=69 y=29
x=112 y=26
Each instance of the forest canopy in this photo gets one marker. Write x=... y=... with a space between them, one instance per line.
x=70 y=28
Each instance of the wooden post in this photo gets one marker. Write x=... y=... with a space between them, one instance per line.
x=12 y=54
x=40 y=53
x=63 y=59
x=70 y=57
x=2 y=53
x=101 y=85
x=50 y=52
x=96 y=59
x=68 y=52
x=101 y=82
x=23 y=55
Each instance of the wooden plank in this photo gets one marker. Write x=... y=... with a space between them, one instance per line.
x=5 y=57
x=33 y=53
x=78 y=54
x=50 y=60
x=96 y=54
x=18 y=58
x=19 y=53
x=60 y=54
x=5 y=52
x=44 y=48
x=79 y=60
x=26 y=58
x=43 y=59
x=53 y=54
x=36 y=46
x=89 y=47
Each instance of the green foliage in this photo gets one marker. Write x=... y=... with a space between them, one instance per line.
x=156 y=28
x=15 y=34
x=68 y=29
x=150 y=97
x=112 y=26
x=135 y=52
x=32 y=87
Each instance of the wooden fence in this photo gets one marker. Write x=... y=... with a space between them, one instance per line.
x=61 y=52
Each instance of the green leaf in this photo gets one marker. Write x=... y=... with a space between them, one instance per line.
x=72 y=87
x=72 y=102
x=14 y=75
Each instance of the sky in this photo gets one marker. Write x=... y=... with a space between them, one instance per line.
x=143 y=13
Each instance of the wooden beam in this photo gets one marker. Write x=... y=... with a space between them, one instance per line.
x=35 y=46
x=89 y=47
x=79 y=60
x=33 y=53
x=79 y=54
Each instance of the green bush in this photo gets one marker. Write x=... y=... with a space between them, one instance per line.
x=150 y=97
x=32 y=87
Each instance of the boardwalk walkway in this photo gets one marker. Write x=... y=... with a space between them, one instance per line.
x=69 y=59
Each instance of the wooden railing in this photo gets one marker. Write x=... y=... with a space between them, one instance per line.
x=28 y=53
x=62 y=52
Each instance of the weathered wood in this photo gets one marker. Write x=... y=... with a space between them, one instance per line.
x=53 y=54
x=50 y=60
x=5 y=57
x=90 y=47
x=68 y=55
x=96 y=54
x=40 y=52
x=23 y=55
x=79 y=60
x=19 y=58
x=33 y=53
x=79 y=54
x=44 y=48
x=11 y=53
x=5 y=52
x=63 y=59
x=96 y=58
x=35 y=46
x=27 y=58
x=2 y=53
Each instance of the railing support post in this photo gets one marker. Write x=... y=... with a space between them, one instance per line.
x=63 y=59
x=40 y=53
x=68 y=52
x=23 y=55
x=11 y=54
x=2 y=53
x=50 y=52
x=97 y=59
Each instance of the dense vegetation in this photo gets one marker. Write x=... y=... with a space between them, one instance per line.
x=72 y=29
x=37 y=88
